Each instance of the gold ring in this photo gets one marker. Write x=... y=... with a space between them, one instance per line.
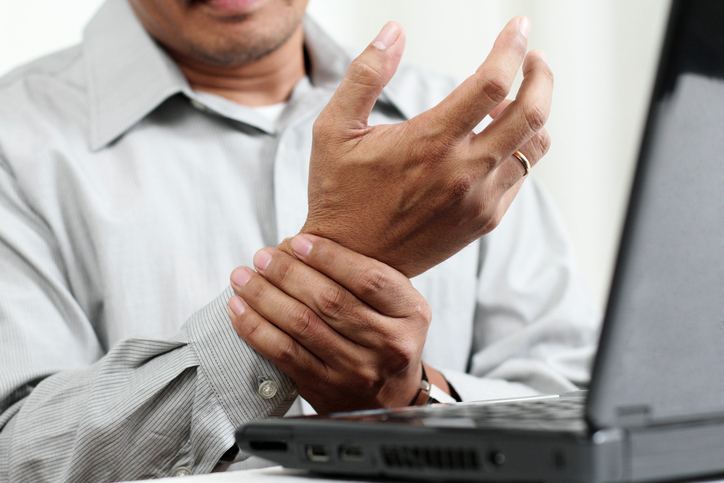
x=524 y=161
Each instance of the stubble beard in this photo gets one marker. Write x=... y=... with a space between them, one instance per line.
x=232 y=53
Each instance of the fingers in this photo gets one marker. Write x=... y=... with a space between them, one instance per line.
x=271 y=342
x=321 y=314
x=523 y=118
x=366 y=77
x=291 y=316
x=378 y=285
x=470 y=102
x=512 y=172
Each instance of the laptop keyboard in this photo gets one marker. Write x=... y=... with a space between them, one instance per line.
x=549 y=413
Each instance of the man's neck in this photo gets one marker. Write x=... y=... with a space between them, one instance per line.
x=269 y=80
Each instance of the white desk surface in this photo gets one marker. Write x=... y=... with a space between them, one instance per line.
x=274 y=474
x=277 y=474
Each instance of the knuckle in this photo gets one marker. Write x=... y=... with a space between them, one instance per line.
x=544 y=142
x=372 y=282
x=495 y=87
x=423 y=311
x=480 y=212
x=283 y=272
x=287 y=352
x=495 y=218
x=361 y=73
x=255 y=289
x=318 y=380
x=495 y=221
x=301 y=321
x=429 y=139
x=246 y=329
x=369 y=377
x=427 y=135
x=534 y=117
x=250 y=329
x=461 y=186
x=398 y=352
x=403 y=354
x=332 y=301
x=320 y=126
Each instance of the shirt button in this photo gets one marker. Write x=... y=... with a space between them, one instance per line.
x=267 y=388
x=182 y=471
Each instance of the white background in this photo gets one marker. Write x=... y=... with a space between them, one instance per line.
x=602 y=52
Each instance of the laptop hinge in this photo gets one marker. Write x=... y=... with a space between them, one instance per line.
x=633 y=416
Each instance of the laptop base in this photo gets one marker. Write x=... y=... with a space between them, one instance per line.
x=408 y=451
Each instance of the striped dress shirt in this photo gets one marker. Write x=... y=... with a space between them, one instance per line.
x=126 y=200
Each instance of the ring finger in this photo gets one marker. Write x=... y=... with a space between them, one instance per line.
x=513 y=170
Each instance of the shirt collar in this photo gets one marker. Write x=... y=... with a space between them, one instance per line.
x=129 y=74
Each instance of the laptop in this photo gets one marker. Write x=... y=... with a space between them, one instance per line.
x=655 y=406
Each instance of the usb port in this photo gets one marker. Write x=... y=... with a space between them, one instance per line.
x=317 y=453
x=350 y=453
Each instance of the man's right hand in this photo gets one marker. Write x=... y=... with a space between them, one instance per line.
x=413 y=194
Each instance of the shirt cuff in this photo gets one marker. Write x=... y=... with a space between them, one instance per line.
x=472 y=388
x=247 y=385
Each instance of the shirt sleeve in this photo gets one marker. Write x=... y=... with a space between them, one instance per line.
x=70 y=410
x=536 y=324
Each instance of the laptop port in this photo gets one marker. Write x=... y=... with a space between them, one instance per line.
x=350 y=453
x=316 y=453
x=268 y=445
x=496 y=459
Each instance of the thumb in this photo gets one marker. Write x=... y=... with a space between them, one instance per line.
x=367 y=76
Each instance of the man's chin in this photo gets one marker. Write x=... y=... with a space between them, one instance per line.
x=241 y=49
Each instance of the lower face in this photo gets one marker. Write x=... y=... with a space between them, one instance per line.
x=227 y=33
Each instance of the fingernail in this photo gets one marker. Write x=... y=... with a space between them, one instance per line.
x=543 y=56
x=240 y=276
x=262 y=259
x=237 y=305
x=524 y=26
x=301 y=245
x=387 y=36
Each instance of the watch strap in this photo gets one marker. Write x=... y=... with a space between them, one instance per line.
x=423 y=391
x=430 y=390
x=437 y=393
x=438 y=396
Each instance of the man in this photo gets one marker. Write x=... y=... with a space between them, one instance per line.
x=137 y=172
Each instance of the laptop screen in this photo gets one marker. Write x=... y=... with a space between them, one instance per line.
x=662 y=348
